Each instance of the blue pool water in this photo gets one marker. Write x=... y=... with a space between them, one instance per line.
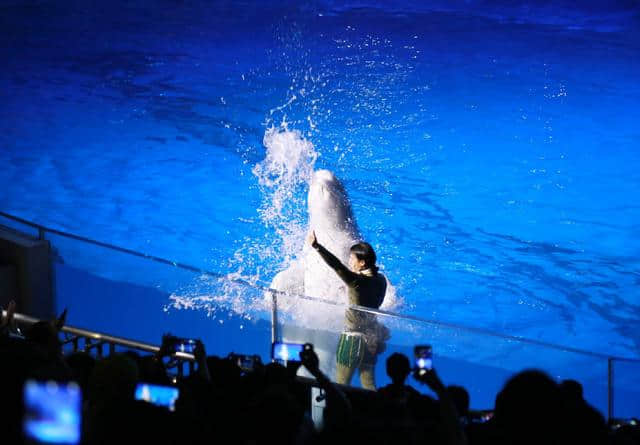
x=490 y=149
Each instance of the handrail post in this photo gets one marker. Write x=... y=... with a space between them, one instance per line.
x=610 y=388
x=274 y=316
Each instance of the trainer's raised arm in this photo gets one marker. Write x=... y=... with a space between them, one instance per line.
x=332 y=261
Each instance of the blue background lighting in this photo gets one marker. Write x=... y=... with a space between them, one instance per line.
x=490 y=149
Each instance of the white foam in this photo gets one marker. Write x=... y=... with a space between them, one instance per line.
x=283 y=177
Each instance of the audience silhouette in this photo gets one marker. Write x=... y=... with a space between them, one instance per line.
x=220 y=402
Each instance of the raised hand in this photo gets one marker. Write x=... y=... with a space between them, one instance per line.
x=311 y=239
x=430 y=378
x=11 y=308
x=61 y=320
x=166 y=347
x=309 y=359
x=199 y=352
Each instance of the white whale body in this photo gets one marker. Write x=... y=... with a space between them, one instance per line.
x=331 y=217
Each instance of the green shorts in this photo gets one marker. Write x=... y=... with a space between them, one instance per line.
x=353 y=352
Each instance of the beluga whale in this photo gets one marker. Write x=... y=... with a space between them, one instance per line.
x=320 y=320
x=331 y=217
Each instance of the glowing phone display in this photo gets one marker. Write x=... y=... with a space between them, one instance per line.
x=52 y=412
x=158 y=395
x=286 y=351
x=423 y=357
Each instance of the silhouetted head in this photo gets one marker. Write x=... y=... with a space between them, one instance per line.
x=275 y=374
x=223 y=372
x=82 y=364
x=529 y=407
x=398 y=368
x=362 y=256
x=44 y=335
x=571 y=389
x=113 y=380
x=151 y=370
x=460 y=398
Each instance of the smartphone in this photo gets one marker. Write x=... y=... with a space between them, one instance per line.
x=286 y=351
x=184 y=345
x=423 y=357
x=52 y=412
x=318 y=405
x=247 y=363
x=158 y=395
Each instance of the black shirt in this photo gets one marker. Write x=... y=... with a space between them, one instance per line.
x=363 y=290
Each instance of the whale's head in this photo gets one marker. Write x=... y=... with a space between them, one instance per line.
x=328 y=202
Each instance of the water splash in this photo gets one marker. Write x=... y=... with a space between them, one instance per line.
x=220 y=298
x=283 y=177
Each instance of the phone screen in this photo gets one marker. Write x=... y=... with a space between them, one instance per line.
x=158 y=395
x=423 y=357
x=286 y=351
x=52 y=412
x=185 y=345
x=247 y=362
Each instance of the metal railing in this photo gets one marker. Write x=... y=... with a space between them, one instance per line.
x=102 y=339
x=83 y=340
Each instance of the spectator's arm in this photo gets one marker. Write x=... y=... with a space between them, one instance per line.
x=451 y=422
x=165 y=350
x=59 y=322
x=165 y=346
x=7 y=322
x=201 y=360
x=337 y=401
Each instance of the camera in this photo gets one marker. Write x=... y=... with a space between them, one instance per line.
x=246 y=363
x=186 y=345
x=423 y=358
x=52 y=412
x=286 y=352
x=164 y=396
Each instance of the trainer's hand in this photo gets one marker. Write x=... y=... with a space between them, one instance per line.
x=311 y=239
